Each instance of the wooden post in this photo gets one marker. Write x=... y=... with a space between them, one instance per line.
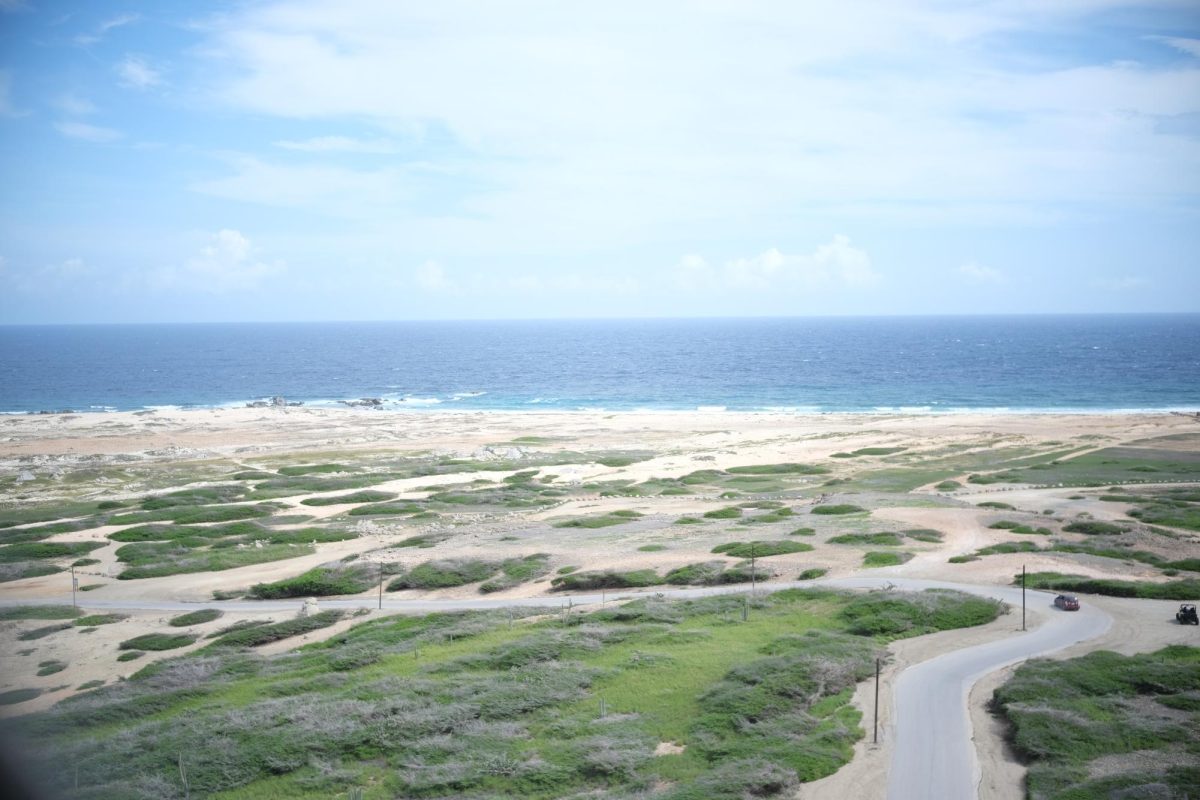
x=876 y=740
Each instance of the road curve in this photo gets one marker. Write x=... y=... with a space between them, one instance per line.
x=933 y=755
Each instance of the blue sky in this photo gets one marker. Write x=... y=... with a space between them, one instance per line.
x=366 y=159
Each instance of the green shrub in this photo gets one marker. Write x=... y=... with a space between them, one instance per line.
x=1186 y=589
x=515 y=571
x=365 y=496
x=713 y=573
x=14 y=696
x=777 y=469
x=130 y=655
x=445 y=573
x=195 y=617
x=330 y=579
x=803 y=532
x=260 y=634
x=729 y=512
x=652 y=548
x=874 y=539
x=996 y=504
x=890 y=614
x=689 y=521
x=379 y=509
x=606 y=579
x=1094 y=528
x=25 y=551
x=602 y=521
x=157 y=641
x=41 y=633
x=812 y=574
x=760 y=549
x=38 y=612
x=878 y=558
x=92 y=620
x=50 y=667
x=314 y=469
x=839 y=508
x=924 y=534
x=948 y=486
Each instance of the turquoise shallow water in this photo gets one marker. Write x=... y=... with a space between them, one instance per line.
x=1054 y=363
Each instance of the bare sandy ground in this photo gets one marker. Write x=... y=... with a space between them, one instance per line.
x=43 y=446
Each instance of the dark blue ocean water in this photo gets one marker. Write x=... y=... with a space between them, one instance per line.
x=1105 y=362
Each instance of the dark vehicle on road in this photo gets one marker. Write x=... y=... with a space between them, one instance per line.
x=1067 y=602
x=1186 y=615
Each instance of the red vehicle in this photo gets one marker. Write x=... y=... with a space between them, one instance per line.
x=1067 y=602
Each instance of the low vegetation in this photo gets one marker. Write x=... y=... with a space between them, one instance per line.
x=470 y=705
x=882 y=558
x=329 y=579
x=760 y=549
x=838 y=508
x=157 y=641
x=1187 y=589
x=366 y=496
x=1107 y=725
x=600 y=521
x=195 y=617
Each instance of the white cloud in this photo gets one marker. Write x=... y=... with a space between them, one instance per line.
x=1189 y=46
x=104 y=27
x=228 y=261
x=337 y=191
x=837 y=263
x=978 y=273
x=88 y=133
x=73 y=104
x=135 y=73
x=341 y=144
x=6 y=105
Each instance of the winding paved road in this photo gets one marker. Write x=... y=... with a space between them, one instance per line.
x=933 y=757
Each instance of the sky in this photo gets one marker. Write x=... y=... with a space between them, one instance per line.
x=384 y=159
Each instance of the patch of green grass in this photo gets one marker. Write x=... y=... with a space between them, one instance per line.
x=924 y=534
x=198 y=617
x=158 y=559
x=879 y=558
x=600 y=521
x=323 y=581
x=948 y=486
x=38 y=612
x=21 y=570
x=868 y=539
x=803 y=532
x=86 y=685
x=130 y=655
x=761 y=549
x=92 y=620
x=652 y=548
x=14 y=696
x=380 y=509
x=871 y=451
x=1017 y=527
x=686 y=520
x=195 y=497
x=812 y=574
x=567 y=570
x=157 y=641
x=365 y=496
x=1186 y=589
x=1137 y=715
x=837 y=509
x=995 y=504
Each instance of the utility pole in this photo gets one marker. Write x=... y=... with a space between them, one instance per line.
x=74 y=583
x=380 y=585
x=753 y=574
x=1022 y=597
x=876 y=739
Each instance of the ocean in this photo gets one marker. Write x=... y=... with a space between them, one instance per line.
x=858 y=364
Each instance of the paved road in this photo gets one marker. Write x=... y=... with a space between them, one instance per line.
x=933 y=755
